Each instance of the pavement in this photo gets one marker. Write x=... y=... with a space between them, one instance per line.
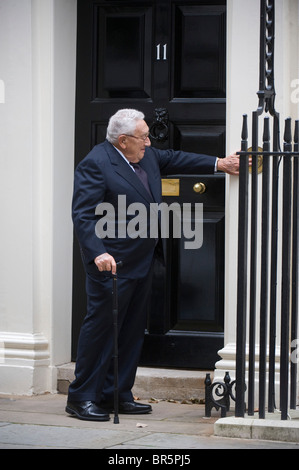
x=40 y=422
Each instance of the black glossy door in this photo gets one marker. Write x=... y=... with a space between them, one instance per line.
x=167 y=55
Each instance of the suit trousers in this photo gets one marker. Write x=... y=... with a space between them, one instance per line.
x=94 y=379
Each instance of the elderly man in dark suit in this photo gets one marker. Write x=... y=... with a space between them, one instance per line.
x=112 y=169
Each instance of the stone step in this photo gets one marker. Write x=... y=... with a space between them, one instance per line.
x=160 y=384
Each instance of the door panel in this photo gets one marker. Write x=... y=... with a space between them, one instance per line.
x=171 y=55
x=122 y=64
x=201 y=139
x=199 y=55
x=189 y=289
x=200 y=303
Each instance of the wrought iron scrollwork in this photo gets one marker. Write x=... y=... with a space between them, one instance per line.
x=159 y=128
x=219 y=394
x=266 y=93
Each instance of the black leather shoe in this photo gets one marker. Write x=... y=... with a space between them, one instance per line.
x=128 y=408
x=134 y=408
x=87 y=410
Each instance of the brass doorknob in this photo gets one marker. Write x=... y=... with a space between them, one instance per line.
x=199 y=188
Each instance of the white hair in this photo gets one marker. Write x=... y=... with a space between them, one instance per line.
x=123 y=122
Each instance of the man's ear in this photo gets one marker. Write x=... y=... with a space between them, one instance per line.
x=122 y=141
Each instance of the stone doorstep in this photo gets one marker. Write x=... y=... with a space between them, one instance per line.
x=162 y=384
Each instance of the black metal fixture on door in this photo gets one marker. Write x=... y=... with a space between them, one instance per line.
x=159 y=128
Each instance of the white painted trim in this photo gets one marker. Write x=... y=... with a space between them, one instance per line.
x=24 y=349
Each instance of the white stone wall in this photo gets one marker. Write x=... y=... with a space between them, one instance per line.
x=37 y=76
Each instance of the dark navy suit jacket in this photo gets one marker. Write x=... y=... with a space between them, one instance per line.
x=102 y=176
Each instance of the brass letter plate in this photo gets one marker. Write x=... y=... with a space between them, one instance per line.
x=170 y=187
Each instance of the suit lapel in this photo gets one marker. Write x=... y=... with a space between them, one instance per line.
x=123 y=169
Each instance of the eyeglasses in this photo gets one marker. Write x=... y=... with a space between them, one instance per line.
x=143 y=138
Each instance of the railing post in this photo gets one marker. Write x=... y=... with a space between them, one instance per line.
x=264 y=293
x=242 y=274
x=253 y=264
x=286 y=274
x=295 y=270
x=273 y=282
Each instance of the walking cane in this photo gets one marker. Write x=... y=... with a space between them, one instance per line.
x=115 y=315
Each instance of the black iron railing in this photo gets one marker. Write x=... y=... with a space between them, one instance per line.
x=278 y=246
x=267 y=300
